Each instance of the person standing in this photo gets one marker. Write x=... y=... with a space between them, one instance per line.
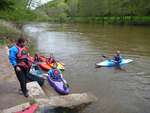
x=20 y=60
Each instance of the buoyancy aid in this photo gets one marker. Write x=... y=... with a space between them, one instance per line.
x=23 y=58
x=117 y=59
x=55 y=74
x=50 y=60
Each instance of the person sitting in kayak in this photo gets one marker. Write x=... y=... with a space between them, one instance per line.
x=51 y=60
x=117 y=58
x=55 y=73
x=36 y=57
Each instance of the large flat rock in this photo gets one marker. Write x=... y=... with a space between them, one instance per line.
x=67 y=101
x=70 y=101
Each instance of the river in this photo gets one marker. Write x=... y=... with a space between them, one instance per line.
x=80 y=46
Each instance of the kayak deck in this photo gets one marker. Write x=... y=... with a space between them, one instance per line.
x=110 y=63
x=59 y=86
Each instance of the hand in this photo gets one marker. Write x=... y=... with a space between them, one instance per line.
x=18 y=68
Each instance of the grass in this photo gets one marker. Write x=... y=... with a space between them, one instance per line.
x=2 y=42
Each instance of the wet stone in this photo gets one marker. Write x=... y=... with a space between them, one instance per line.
x=34 y=90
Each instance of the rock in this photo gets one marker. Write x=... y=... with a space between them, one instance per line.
x=67 y=101
x=35 y=91
x=16 y=108
x=70 y=101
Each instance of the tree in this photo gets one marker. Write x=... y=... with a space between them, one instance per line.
x=72 y=7
x=6 y=4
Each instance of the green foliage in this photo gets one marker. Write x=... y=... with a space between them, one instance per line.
x=6 y=4
x=32 y=101
x=2 y=42
x=20 y=13
x=73 y=7
x=100 y=11
x=90 y=8
x=56 y=10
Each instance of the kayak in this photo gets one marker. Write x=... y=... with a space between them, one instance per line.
x=35 y=70
x=60 y=86
x=45 y=66
x=111 y=63
x=44 y=59
x=30 y=109
x=35 y=74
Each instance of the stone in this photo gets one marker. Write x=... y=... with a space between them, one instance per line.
x=70 y=101
x=35 y=91
x=16 y=108
x=67 y=101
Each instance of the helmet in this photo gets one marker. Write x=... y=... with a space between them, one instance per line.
x=56 y=72
x=118 y=52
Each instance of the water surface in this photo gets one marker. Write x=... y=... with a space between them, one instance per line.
x=80 y=46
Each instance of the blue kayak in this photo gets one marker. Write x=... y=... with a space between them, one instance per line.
x=35 y=74
x=111 y=63
x=35 y=70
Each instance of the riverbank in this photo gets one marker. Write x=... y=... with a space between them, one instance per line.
x=120 y=20
x=11 y=30
x=9 y=85
x=10 y=96
x=8 y=32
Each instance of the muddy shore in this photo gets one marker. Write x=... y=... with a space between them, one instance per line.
x=9 y=84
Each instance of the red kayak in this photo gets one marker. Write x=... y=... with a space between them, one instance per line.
x=30 y=109
x=47 y=63
x=45 y=66
x=40 y=58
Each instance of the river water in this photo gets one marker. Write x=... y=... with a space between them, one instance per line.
x=80 y=46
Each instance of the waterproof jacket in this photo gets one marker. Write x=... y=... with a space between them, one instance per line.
x=19 y=56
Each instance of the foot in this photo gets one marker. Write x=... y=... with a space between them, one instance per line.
x=26 y=94
x=20 y=92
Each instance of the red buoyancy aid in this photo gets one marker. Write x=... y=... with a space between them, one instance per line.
x=22 y=53
x=23 y=58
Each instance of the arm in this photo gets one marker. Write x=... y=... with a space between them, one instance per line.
x=13 y=55
x=50 y=73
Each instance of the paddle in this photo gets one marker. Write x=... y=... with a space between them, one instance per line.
x=106 y=57
x=65 y=85
x=112 y=59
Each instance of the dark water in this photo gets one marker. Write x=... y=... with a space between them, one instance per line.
x=80 y=46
